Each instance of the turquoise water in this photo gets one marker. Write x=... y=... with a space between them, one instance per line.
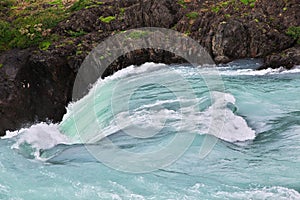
x=256 y=157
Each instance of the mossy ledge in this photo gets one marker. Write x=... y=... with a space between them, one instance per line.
x=43 y=42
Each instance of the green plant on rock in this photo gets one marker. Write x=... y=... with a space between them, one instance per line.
x=79 y=52
x=227 y=15
x=107 y=19
x=30 y=22
x=182 y=3
x=58 y=3
x=192 y=15
x=76 y=33
x=6 y=4
x=137 y=34
x=81 y=4
x=122 y=11
x=294 y=32
x=187 y=33
x=6 y=35
x=44 y=45
x=247 y=2
x=215 y=9
x=28 y=35
x=225 y=3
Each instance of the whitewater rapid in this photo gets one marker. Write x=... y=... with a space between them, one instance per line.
x=78 y=127
x=44 y=135
x=256 y=154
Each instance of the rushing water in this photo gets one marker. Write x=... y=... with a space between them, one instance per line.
x=257 y=156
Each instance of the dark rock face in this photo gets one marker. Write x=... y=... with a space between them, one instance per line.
x=34 y=89
x=139 y=57
x=37 y=85
x=230 y=41
x=12 y=112
x=288 y=58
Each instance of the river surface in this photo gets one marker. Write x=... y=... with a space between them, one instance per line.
x=143 y=111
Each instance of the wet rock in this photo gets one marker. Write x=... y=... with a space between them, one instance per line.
x=37 y=85
x=287 y=59
x=230 y=41
x=12 y=115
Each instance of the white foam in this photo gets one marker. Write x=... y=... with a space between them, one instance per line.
x=152 y=117
x=126 y=72
x=252 y=72
x=46 y=136
x=275 y=192
x=133 y=70
x=38 y=136
x=235 y=128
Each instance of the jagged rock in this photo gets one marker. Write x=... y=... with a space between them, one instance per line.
x=12 y=113
x=36 y=85
x=287 y=59
x=230 y=41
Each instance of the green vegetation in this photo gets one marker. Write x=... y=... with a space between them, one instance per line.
x=1 y=65
x=81 y=4
x=187 y=33
x=223 y=4
x=79 y=52
x=220 y=5
x=25 y=23
x=294 y=32
x=59 y=3
x=76 y=33
x=181 y=3
x=122 y=11
x=44 y=45
x=227 y=15
x=5 y=35
x=107 y=19
x=29 y=22
x=215 y=9
x=247 y=2
x=192 y=15
x=137 y=34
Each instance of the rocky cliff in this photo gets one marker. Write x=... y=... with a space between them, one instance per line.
x=36 y=79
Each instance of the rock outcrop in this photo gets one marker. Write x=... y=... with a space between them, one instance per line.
x=36 y=85
x=287 y=58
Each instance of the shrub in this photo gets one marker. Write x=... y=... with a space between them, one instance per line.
x=80 y=4
x=6 y=35
x=247 y=2
x=215 y=9
x=181 y=3
x=31 y=22
x=107 y=19
x=192 y=15
x=294 y=32
x=44 y=45
x=76 y=33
